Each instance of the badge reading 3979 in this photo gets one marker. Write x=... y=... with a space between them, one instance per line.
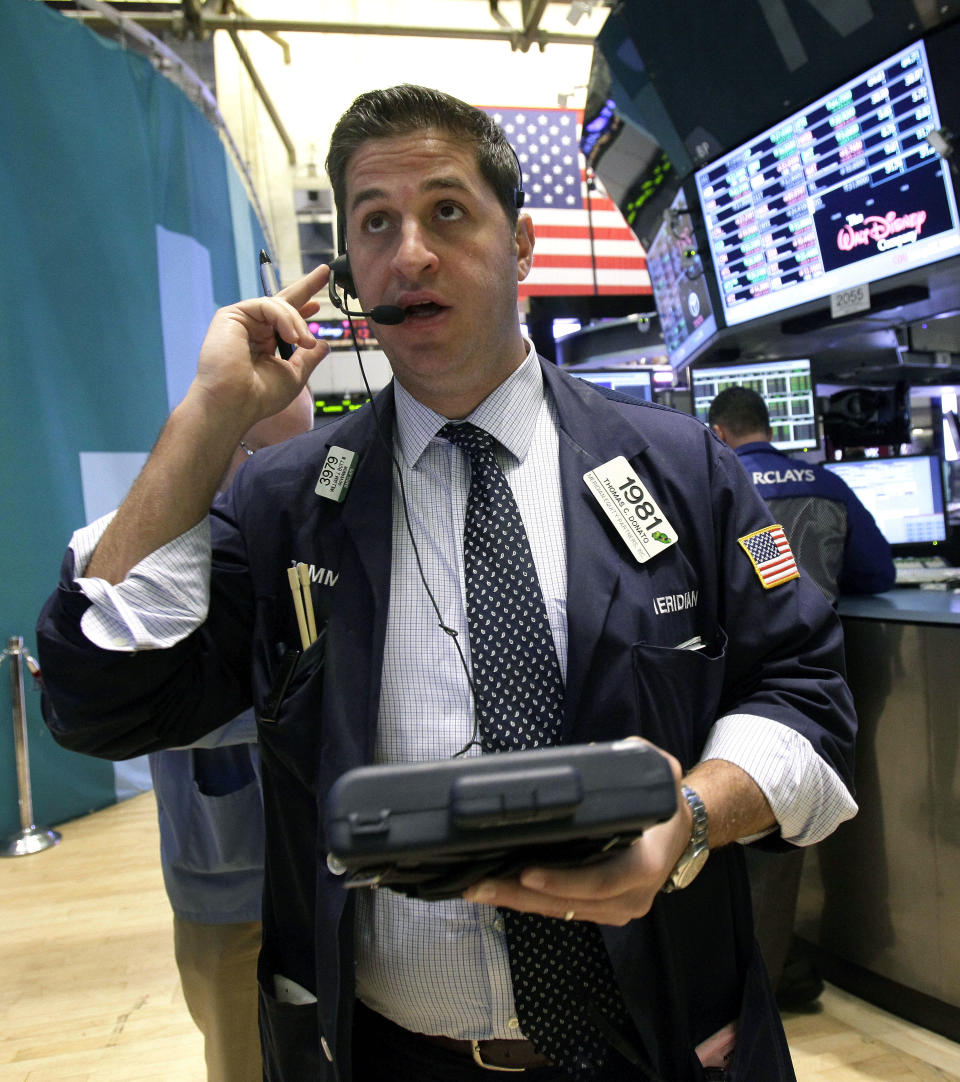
x=337 y=473
x=627 y=502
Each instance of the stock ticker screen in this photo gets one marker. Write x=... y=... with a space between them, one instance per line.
x=785 y=386
x=843 y=192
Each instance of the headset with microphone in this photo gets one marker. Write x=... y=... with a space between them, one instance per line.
x=341 y=277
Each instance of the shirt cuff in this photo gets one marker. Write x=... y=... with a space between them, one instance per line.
x=808 y=797
x=162 y=600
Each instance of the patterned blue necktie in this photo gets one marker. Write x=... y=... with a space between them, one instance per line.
x=561 y=971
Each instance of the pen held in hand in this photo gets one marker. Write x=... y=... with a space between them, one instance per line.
x=270 y=287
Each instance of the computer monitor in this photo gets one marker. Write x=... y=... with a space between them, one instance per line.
x=785 y=386
x=633 y=382
x=681 y=289
x=904 y=495
x=843 y=192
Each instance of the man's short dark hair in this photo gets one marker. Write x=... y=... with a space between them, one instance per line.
x=740 y=410
x=399 y=110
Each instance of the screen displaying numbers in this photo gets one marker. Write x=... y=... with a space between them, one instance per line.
x=844 y=192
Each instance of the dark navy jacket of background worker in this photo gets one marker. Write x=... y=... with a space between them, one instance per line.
x=846 y=541
x=623 y=677
x=728 y=664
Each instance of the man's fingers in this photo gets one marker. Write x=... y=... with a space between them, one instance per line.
x=282 y=317
x=606 y=879
x=512 y=895
x=306 y=287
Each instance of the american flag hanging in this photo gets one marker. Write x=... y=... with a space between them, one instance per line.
x=546 y=142
x=771 y=556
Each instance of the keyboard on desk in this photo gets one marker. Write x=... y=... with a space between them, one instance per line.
x=919 y=570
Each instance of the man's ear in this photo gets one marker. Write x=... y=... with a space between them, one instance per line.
x=525 y=242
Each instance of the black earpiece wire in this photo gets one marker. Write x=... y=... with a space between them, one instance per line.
x=443 y=625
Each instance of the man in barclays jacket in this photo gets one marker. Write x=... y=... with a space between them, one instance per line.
x=732 y=669
x=837 y=543
x=833 y=535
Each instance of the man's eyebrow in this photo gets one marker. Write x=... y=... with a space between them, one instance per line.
x=366 y=195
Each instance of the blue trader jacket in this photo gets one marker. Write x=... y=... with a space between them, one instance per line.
x=687 y=968
x=830 y=531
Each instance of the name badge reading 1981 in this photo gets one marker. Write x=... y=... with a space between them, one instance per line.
x=627 y=502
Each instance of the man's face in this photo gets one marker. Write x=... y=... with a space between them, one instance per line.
x=426 y=232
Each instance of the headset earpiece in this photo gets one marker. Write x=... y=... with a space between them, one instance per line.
x=340 y=276
x=519 y=195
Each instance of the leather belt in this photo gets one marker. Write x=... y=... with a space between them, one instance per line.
x=494 y=1055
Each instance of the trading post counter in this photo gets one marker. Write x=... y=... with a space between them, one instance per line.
x=879 y=906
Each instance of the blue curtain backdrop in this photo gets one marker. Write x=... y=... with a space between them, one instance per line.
x=124 y=225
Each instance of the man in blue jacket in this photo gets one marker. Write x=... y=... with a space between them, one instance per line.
x=832 y=534
x=837 y=543
x=703 y=643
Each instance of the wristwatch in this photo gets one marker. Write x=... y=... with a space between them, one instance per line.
x=693 y=858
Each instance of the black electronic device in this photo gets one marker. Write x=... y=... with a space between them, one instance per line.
x=905 y=496
x=432 y=829
x=786 y=388
x=868 y=416
x=846 y=191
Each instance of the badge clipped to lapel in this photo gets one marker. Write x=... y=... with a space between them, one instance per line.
x=337 y=473
x=771 y=556
x=627 y=502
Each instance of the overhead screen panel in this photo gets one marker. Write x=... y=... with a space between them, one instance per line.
x=703 y=77
x=842 y=192
x=680 y=285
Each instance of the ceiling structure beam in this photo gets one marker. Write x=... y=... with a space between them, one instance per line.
x=517 y=39
x=264 y=97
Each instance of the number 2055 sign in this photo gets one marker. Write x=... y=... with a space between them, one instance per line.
x=848 y=301
x=629 y=505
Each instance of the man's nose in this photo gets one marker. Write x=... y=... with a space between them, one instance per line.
x=415 y=254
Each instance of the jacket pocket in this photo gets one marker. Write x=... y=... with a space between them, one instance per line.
x=288 y=719
x=226 y=831
x=678 y=693
x=290 y=1039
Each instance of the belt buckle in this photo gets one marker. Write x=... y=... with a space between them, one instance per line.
x=478 y=1060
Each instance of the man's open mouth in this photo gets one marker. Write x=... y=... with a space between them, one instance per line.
x=422 y=311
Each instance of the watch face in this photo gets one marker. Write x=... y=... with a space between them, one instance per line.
x=689 y=868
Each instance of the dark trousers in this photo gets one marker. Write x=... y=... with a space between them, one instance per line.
x=384 y=1052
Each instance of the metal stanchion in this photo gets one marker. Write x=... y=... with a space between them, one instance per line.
x=31 y=839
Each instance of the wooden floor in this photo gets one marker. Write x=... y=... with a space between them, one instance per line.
x=89 y=989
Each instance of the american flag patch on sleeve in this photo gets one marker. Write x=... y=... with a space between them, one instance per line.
x=771 y=556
